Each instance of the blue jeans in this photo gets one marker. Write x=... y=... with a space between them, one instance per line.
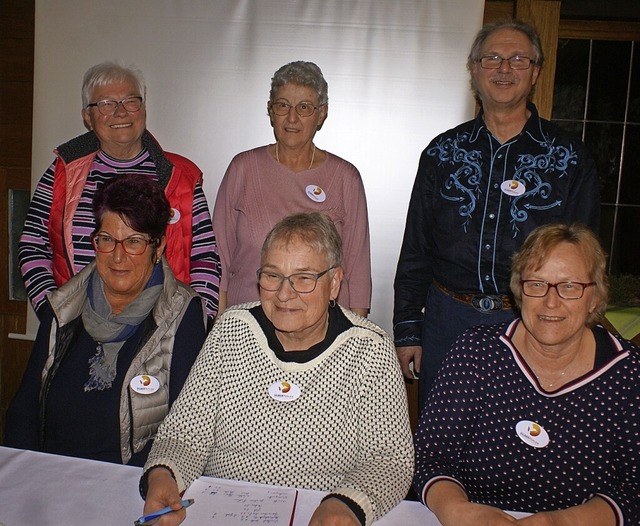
x=444 y=320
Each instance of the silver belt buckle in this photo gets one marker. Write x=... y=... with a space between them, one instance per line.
x=487 y=303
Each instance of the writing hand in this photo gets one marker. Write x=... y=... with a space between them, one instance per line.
x=333 y=512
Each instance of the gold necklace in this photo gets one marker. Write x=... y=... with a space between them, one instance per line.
x=558 y=379
x=313 y=155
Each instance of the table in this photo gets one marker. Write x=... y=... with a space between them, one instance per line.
x=52 y=490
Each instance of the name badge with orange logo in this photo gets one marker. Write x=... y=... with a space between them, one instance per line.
x=284 y=391
x=174 y=217
x=315 y=193
x=512 y=187
x=532 y=434
x=144 y=384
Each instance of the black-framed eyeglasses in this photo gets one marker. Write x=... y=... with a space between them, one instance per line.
x=133 y=245
x=567 y=290
x=304 y=109
x=515 y=62
x=109 y=107
x=301 y=282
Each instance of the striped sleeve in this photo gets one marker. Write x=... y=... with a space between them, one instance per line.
x=34 y=248
x=205 y=260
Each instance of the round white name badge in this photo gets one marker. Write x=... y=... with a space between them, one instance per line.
x=512 y=187
x=315 y=193
x=532 y=434
x=174 y=217
x=144 y=384
x=284 y=391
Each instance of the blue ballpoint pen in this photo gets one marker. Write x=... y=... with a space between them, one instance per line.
x=146 y=519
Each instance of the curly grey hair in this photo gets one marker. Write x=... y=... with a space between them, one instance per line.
x=303 y=73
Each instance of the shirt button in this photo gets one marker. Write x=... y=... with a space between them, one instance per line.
x=487 y=277
x=500 y=156
x=492 y=216
x=488 y=247
x=495 y=185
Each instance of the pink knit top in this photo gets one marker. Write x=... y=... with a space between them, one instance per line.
x=257 y=191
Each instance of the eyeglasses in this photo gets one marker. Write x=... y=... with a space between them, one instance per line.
x=109 y=107
x=304 y=109
x=515 y=62
x=301 y=282
x=132 y=245
x=567 y=290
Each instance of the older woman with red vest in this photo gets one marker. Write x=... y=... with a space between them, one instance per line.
x=55 y=243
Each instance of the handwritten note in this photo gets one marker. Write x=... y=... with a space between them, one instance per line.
x=239 y=504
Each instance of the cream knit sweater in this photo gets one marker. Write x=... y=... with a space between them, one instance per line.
x=348 y=431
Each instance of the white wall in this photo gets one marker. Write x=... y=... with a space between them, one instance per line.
x=395 y=68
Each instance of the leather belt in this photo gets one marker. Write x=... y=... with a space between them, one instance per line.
x=480 y=302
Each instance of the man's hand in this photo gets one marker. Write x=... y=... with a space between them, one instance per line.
x=406 y=355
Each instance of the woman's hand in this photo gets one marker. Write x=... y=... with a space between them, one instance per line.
x=594 y=512
x=538 y=519
x=472 y=514
x=162 y=492
x=333 y=512
x=449 y=502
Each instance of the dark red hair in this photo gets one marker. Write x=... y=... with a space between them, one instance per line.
x=138 y=200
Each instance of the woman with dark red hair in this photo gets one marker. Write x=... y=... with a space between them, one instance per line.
x=103 y=372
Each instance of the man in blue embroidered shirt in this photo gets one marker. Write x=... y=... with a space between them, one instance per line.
x=481 y=188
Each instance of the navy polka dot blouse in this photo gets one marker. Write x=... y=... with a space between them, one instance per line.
x=490 y=426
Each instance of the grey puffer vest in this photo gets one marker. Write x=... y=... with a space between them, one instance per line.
x=140 y=414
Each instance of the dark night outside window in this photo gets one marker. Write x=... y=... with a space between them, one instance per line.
x=597 y=97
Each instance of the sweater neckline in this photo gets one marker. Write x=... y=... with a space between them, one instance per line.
x=338 y=323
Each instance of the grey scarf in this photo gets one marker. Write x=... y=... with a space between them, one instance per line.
x=110 y=330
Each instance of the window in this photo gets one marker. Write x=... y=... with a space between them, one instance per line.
x=597 y=97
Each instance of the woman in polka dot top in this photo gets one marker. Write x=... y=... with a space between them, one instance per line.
x=542 y=414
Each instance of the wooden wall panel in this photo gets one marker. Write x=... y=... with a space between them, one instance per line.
x=498 y=10
x=595 y=30
x=14 y=355
x=17 y=20
x=545 y=16
x=17 y=29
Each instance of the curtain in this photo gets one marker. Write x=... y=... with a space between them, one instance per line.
x=395 y=68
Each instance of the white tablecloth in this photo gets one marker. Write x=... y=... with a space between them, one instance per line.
x=37 y=489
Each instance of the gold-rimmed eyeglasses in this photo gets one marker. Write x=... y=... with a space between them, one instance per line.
x=304 y=109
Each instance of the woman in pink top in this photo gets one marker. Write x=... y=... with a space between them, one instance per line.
x=263 y=185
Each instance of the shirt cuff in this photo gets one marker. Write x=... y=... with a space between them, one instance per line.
x=439 y=478
x=143 y=487
x=407 y=333
x=616 y=509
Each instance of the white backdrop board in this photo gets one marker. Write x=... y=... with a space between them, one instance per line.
x=395 y=68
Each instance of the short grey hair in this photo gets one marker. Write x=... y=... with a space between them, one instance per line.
x=303 y=73
x=515 y=25
x=106 y=73
x=314 y=229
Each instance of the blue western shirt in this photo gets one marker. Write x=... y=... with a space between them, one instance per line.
x=475 y=201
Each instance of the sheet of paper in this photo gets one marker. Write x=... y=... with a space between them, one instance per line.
x=238 y=504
